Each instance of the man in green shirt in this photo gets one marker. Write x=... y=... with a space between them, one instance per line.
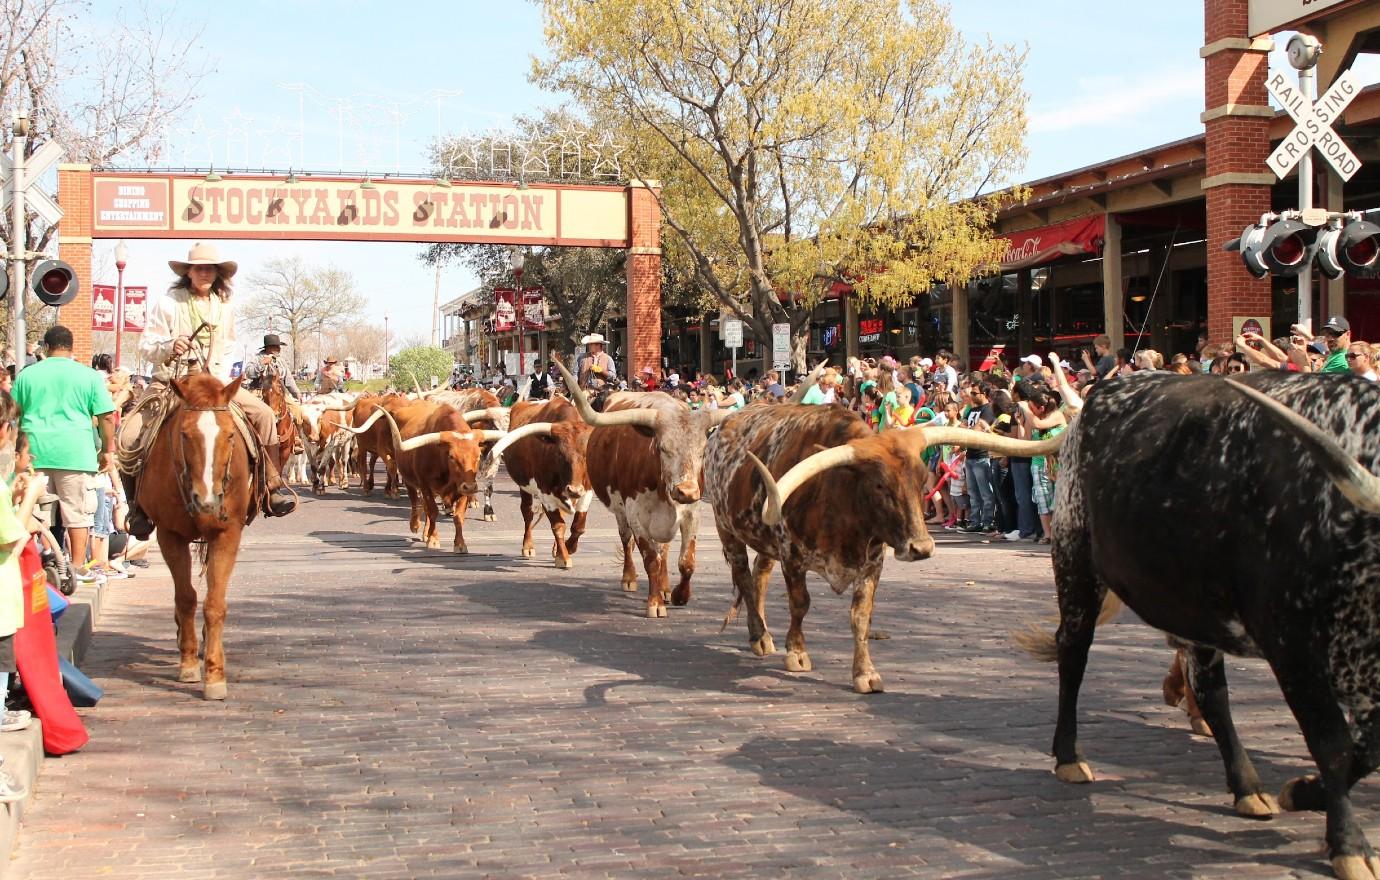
x=1337 y=333
x=58 y=400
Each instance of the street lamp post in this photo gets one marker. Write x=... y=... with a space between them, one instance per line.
x=121 y=259
x=516 y=258
x=385 y=342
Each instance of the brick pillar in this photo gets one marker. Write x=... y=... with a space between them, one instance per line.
x=644 y=278
x=1237 y=181
x=74 y=248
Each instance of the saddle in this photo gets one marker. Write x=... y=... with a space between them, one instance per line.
x=157 y=404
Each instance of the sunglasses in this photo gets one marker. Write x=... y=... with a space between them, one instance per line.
x=1353 y=355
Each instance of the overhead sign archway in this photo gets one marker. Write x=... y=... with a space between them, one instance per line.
x=124 y=204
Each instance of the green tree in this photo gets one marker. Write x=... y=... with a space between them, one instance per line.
x=791 y=156
x=422 y=361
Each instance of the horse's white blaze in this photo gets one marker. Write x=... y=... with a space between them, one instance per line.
x=210 y=430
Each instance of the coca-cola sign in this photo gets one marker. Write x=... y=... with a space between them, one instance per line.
x=1033 y=247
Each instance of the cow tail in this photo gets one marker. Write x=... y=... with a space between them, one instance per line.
x=1038 y=640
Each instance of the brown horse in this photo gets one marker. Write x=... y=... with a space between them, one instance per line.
x=275 y=398
x=195 y=486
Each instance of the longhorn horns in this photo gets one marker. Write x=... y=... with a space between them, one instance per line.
x=1359 y=485
x=916 y=439
x=642 y=418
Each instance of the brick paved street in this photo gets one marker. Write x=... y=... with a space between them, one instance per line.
x=396 y=712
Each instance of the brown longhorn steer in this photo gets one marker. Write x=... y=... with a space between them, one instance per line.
x=550 y=470
x=482 y=409
x=646 y=460
x=437 y=456
x=376 y=443
x=848 y=503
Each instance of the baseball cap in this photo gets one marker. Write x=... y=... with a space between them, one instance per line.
x=1337 y=324
x=926 y=362
x=1034 y=360
x=1317 y=347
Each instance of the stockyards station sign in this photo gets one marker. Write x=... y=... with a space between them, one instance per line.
x=152 y=206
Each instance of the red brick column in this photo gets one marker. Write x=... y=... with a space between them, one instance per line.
x=644 y=278
x=74 y=248
x=1237 y=180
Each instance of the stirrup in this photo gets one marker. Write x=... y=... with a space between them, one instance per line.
x=280 y=502
x=139 y=525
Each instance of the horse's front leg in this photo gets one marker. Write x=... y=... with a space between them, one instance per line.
x=219 y=567
x=178 y=555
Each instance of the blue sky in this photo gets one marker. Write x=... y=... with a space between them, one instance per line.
x=391 y=75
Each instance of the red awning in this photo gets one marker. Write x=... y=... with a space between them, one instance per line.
x=1035 y=247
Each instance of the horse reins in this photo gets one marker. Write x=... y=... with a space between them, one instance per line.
x=184 y=472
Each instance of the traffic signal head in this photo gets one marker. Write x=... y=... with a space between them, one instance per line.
x=1284 y=247
x=4 y=282
x=1349 y=247
x=54 y=283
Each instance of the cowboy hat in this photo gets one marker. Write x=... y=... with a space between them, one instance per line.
x=592 y=338
x=271 y=340
x=204 y=255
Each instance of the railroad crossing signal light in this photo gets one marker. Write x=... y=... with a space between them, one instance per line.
x=1283 y=247
x=54 y=283
x=1350 y=247
x=4 y=282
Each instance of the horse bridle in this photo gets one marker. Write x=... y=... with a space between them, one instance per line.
x=184 y=472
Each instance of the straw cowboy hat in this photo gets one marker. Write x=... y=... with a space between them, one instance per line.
x=204 y=255
x=592 y=338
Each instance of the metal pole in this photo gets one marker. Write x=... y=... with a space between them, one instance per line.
x=119 y=308
x=436 y=306
x=1308 y=86
x=18 y=244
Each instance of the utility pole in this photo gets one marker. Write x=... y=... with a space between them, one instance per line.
x=18 y=243
x=436 y=308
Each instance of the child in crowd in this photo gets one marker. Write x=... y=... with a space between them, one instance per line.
x=958 y=488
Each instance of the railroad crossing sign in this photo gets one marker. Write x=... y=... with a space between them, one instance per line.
x=1314 y=127
x=35 y=199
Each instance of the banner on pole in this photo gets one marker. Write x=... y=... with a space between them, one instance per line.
x=505 y=309
x=103 y=307
x=533 y=309
x=136 y=298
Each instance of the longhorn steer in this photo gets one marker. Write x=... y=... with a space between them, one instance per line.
x=482 y=409
x=646 y=461
x=551 y=471
x=1287 y=569
x=376 y=443
x=848 y=503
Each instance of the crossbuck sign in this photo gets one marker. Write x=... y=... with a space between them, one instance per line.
x=1314 y=127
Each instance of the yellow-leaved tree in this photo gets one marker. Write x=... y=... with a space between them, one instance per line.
x=802 y=142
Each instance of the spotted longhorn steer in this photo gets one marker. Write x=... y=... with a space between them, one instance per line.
x=646 y=460
x=550 y=470
x=1286 y=568
x=437 y=456
x=862 y=493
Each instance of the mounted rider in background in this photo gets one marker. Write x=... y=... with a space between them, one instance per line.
x=268 y=365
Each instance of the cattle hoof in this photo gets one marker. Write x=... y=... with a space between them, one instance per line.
x=433 y=543
x=868 y=683
x=489 y=517
x=630 y=586
x=1303 y=793
x=764 y=646
x=1257 y=806
x=529 y=552
x=462 y=549
x=214 y=690
x=1356 y=867
x=1077 y=774
x=189 y=674
x=1200 y=727
x=564 y=563
x=798 y=661
x=656 y=611
x=681 y=595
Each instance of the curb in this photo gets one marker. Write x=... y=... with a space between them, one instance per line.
x=22 y=750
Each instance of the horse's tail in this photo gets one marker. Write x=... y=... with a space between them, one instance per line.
x=1039 y=641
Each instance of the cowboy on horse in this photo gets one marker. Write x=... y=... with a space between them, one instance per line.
x=257 y=373
x=192 y=330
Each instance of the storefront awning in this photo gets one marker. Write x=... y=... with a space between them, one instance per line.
x=1035 y=247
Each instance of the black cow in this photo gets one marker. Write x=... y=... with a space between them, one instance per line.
x=1280 y=559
